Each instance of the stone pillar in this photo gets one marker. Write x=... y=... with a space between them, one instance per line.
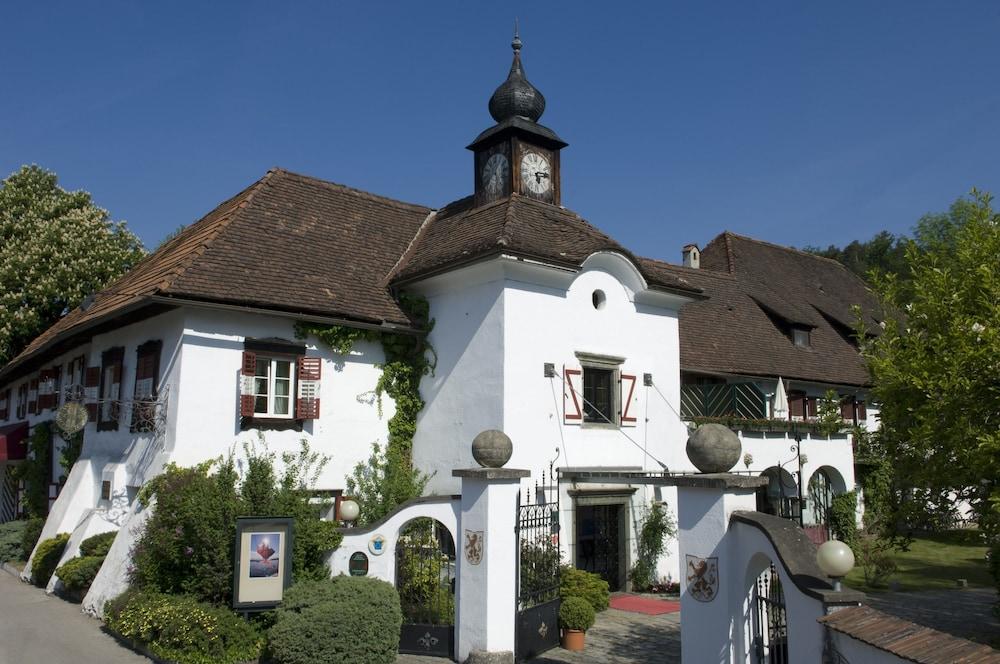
x=487 y=564
x=708 y=604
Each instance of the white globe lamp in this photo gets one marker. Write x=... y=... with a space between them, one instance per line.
x=349 y=510
x=835 y=559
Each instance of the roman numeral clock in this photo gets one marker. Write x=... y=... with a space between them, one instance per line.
x=517 y=155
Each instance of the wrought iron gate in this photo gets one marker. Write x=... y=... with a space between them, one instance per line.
x=537 y=535
x=770 y=621
x=425 y=579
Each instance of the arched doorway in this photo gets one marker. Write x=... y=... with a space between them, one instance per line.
x=766 y=615
x=781 y=495
x=425 y=579
x=824 y=484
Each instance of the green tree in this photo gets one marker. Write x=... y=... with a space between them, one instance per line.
x=56 y=247
x=935 y=366
x=885 y=252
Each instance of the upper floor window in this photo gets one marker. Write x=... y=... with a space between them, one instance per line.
x=279 y=382
x=110 y=389
x=22 y=401
x=599 y=392
x=144 y=393
x=800 y=337
x=598 y=395
x=5 y=404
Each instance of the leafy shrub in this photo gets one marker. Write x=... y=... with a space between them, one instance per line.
x=46 y=558
x=874 y=553
x=578 y=583
x=843 y=517
x=187 y=544
x=656 y=528
x=34 y=470
x=97 y=545
x=181 y=629
x=11 y=534
x=539 y=567
x=576 y=613
x=32 y=531
x=344 y=620
x=78 y=573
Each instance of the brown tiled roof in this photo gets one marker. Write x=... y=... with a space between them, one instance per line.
x=752 y=288
x=460 y=233
x=288 y=242
x=906 y=639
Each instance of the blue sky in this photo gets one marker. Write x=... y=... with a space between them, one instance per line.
x=795 y=122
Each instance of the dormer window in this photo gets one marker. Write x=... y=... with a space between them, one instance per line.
x=800 y=337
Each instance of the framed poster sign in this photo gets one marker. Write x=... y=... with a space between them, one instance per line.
x=263 y=561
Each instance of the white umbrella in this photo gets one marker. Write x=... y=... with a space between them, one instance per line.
x=780 y=409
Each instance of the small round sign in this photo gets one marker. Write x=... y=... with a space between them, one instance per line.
x=377 y=545
x=358 y=564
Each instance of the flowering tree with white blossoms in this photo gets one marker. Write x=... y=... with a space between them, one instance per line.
x=55 y=248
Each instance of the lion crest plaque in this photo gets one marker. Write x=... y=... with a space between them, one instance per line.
x=702 y=578
x=474 y=540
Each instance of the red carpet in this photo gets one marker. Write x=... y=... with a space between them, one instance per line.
x=647 y=605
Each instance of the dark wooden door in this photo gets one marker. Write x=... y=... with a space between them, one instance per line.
x=598 y=541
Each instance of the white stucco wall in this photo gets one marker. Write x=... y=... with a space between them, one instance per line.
x=853 y=650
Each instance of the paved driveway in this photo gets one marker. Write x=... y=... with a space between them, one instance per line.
x=37 y=629
x=618 y=637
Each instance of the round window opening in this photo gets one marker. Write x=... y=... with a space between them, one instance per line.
x=599 y=299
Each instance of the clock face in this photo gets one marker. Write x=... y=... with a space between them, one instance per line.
x=495 y=172
x=536 y=174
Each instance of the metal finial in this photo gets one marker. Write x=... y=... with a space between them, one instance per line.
x=516 y=44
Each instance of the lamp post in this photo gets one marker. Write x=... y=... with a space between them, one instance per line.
x=836 y=560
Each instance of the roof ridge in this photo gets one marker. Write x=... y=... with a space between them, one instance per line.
x=410 y=248
x=227 y=220
x=508 y=217
x=783 y=247
x=688 y=270
x=394 y=202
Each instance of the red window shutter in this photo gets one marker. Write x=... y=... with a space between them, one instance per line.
x=4 y=404
x=847 y=408
x=44 y=389
x=627 y=392
x=796 y=404
x=862 y=411
x=91 y=387
x=33 y=396
x=309 y=370
x=572 y=395
x=246 y=383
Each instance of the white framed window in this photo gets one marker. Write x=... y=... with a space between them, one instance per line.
x=598 y=393
x=273 y=387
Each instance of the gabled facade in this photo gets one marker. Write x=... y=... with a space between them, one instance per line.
x=545 y=328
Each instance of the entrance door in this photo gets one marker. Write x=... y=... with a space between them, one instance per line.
x=599 y=541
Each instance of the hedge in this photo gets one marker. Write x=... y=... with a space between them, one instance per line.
x=179 y=628
x=78 y=573
x=98 y=545
x=11 y=534
x=578 y=583
x=46 y=558
x=32 y=531
x=343 y=620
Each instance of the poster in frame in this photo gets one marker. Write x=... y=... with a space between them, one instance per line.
x=262 y=561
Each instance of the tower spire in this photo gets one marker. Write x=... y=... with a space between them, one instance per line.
x=516 y=97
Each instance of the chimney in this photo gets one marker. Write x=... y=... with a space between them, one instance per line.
x=690 y=256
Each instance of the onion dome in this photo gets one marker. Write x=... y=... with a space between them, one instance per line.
x=516 y=97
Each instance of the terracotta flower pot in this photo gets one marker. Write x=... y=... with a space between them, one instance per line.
x=572 y=639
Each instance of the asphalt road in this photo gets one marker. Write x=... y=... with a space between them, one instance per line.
x=38 y=629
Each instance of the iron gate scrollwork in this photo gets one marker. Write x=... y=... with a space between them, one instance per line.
x=770 y=620
x=537 y=535
x=425 y=580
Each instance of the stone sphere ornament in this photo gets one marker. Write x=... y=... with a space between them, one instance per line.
x=714 y=448
x=492 y=448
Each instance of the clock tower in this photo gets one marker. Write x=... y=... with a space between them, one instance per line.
x=517 y=155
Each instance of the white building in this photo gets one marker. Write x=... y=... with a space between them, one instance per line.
x=544 y=327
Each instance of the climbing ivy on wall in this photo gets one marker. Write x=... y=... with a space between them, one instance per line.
x=408 y=358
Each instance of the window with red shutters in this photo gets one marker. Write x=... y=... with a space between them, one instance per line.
x=111 y=386
x=307 y=398
x=144 y=393
x=811 y=406
x=796 y=404
x=279 y=385
x=91 y=391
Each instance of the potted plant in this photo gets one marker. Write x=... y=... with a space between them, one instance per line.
x=576 y=616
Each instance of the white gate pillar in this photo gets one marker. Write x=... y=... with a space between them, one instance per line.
x=487 y=564
x=709 y=599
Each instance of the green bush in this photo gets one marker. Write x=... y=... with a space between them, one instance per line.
x=578 y=583
x=32 y=531
x=843 y=517
x=97 y=545
x=186 y=546
x=180 y=629
x=11 y=534
x=874 y=554
x=344 y=620
x=78 y=573
x=657 y=527
x=576 y=613
x=46 y=558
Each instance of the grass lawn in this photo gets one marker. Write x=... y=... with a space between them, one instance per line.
x=935 y=561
